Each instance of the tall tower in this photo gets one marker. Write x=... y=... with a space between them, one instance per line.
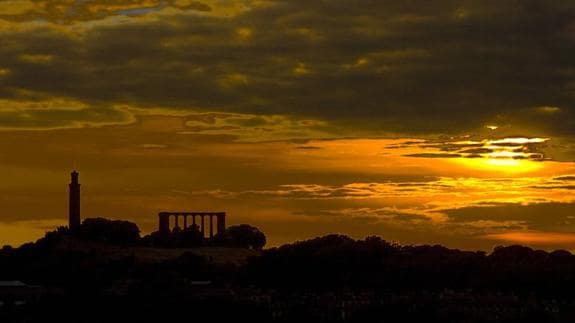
x=74 y=199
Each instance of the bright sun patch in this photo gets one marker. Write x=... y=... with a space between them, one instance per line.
x=511 y=155
x=503 y=165
x=504 y=155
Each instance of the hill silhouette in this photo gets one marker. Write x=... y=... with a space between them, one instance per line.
x=107 y=269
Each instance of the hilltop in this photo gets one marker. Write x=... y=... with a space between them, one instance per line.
x=143 y=254
x=332 y=278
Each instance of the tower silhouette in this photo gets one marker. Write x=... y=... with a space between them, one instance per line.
x=74 y=200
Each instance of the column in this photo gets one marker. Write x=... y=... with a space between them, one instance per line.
x=185 y=221
x=202 y=225
x=74 y=203
x=221 y=222
x=211 y=226
x=176 y=223
x=164 y=224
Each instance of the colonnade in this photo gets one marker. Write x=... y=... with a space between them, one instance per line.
x=164 y=224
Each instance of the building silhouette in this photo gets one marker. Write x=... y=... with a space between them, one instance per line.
x=74 y=202
x=164 y=221
x=198 y=218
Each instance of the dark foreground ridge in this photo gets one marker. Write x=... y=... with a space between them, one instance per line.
x=105 y=272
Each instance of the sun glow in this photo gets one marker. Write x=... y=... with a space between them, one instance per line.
x=521 y=141
x=506 y=165
x=509 y=155
x=540 y=238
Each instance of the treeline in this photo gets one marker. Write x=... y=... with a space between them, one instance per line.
x=336 y=262
x=243 y=235
x=327 y=279
x=328 y=263
x=100 y=252
x=125 y=233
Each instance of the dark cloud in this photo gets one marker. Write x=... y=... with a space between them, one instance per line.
x=370 y=215
x=477 y=151
x=392 y=66
x=559 y=217
x=556 y=187
x=52 y=118
x=565 y=178
x=71 y=11
x=519 y=148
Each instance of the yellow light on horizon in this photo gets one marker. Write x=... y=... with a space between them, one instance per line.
x=533 y=237
x=500 y=165
x=506 y=155
x=519 y=141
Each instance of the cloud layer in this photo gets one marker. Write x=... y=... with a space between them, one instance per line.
x=373 y=66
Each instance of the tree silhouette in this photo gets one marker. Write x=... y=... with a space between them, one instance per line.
x=243 y=235
x=100 y=229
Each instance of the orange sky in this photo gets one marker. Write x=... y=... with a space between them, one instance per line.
x=445 y=122
x=406 y=190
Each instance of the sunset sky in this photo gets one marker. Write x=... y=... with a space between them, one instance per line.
x=439 y=122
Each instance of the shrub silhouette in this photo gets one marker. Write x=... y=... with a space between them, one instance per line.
x=178 y=238
x=335 y=261
x=243 y=235
x=112 y=231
